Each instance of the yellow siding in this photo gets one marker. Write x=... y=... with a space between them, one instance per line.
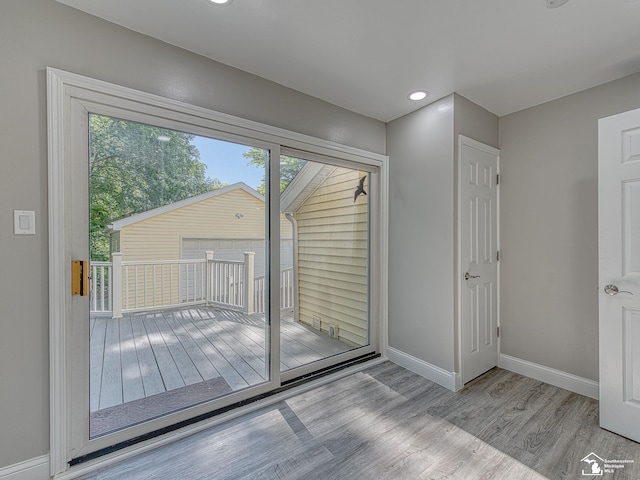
x=160 y=238
x=332 y=257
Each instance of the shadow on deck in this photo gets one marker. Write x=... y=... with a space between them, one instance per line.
x=146 y=365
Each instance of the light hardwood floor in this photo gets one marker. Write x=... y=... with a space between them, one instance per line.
x=388 y=423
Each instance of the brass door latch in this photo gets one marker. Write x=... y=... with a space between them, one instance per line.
x=80 y=277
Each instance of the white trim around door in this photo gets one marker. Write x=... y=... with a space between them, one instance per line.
x=478 y=272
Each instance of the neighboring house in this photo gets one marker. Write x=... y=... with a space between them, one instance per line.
x=228 y=221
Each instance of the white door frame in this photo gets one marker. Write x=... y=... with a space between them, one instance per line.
x=461 y=269
x=63 y=89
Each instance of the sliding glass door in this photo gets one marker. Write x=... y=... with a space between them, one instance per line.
x=213 y=261
x=178 y=258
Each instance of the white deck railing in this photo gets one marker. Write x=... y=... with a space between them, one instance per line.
x=286 y=291
x=101 y=286
x=133 y=286
x=152 y=285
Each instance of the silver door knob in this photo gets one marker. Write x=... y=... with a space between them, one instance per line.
x=467 y=276
x=613 y=290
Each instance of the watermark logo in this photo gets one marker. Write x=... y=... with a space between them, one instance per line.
x=595 y=466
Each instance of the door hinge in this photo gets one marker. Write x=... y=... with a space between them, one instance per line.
x=498 y=331
x=498 y=179
x=498 y=256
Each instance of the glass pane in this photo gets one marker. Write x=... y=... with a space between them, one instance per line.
x=178 y=251
x=325 y=261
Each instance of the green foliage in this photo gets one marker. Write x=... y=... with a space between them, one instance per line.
x=215 y=183
x=132 y=170
x=289 y=167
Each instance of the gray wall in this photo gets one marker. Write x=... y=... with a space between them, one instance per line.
x=549 y=228
x=422 y=164
x=35 y=34
x=421 y=243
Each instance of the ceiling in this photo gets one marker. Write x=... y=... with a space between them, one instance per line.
x=368 y=55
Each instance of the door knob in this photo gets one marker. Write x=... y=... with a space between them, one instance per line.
x=467 y=276
x=613 y=290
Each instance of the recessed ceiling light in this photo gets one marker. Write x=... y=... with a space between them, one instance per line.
x=418 y=95
x=221 y=2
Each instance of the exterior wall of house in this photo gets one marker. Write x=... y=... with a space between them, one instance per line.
x=35 y=34
x=162 y=238
x=332 y=257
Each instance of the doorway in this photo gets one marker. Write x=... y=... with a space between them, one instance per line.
x=478 y=257
x=619 y=272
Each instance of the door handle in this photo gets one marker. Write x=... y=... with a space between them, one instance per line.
x=467 y=276
x=80 y=277
x=612 y=290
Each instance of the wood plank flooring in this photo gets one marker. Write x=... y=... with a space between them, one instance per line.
x=388 y=423
x=143 y=355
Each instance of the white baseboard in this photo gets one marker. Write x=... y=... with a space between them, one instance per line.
x=558 y=378
x=33 y=469
x=450 y=380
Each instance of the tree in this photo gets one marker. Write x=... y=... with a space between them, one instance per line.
x=289 y=167
x=134 y=167
x=215 y=183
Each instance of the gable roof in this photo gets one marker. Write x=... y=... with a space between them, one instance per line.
x=119 y=224
x=308 y=179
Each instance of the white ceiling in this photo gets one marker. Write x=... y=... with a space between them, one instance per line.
x=368 y=55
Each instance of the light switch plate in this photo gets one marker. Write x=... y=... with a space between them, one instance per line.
x=24 y=222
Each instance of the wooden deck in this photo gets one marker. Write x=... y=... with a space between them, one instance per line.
x=143 y=355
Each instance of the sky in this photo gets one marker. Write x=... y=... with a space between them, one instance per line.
x=224 y=160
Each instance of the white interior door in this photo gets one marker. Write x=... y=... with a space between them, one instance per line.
x=619 y=272
x=478 y=257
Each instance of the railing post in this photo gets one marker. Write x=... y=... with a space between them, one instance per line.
x=249 y=273
x=208 y=279
x=116 y=286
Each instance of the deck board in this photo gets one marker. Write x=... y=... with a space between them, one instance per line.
x=111 y=391
x=226 y=370
x=168 y=368
x=132 y=387
x=96 y=357
x=151 y=378
x=239 y=363
x=183 y=362
x=142 y=355
x=205 y=368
